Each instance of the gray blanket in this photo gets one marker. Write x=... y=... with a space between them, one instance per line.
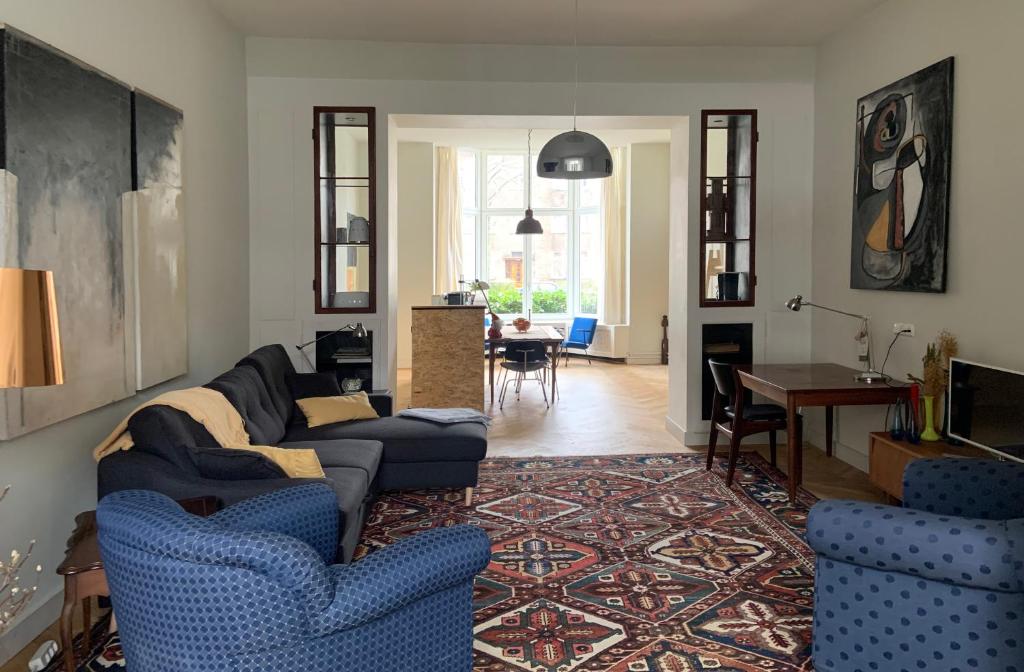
x=447 y=416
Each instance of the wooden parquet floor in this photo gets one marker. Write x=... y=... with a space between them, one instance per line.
x=610 y=409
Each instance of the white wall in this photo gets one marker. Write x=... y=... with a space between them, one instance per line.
x=648 y=249
x=287 y=78
x=415 y=237
x=981 y=304
x=184 y=53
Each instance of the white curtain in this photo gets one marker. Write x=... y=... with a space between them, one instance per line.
x=447 y=222
x=613 y=195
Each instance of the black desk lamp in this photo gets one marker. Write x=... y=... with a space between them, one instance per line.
x=357 y=330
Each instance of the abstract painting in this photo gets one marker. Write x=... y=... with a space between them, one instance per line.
x=66 y=162
x=901 y=183
x=155 y=210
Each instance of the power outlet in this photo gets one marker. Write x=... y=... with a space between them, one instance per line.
x=903 y=327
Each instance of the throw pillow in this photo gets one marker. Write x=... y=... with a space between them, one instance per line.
x=327 y=410
x=231 y=464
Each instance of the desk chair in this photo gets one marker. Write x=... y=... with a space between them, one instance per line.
x=521 y=358
x=732 y=416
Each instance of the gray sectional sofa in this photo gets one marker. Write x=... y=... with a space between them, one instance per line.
x=175 y=455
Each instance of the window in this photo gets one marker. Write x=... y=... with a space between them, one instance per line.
x=556 y=274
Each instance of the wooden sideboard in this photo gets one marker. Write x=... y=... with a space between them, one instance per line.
x=887 y=458
x=448 y=357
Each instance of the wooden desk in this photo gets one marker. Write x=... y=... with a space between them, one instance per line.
x=549 y=336
x=828 y=385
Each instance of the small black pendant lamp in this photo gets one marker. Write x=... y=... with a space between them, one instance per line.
x=528 y=225
x=575 y=155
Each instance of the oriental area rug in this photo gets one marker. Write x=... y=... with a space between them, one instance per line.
x=638 y=563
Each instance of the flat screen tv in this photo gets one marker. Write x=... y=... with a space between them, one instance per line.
x=986 y=407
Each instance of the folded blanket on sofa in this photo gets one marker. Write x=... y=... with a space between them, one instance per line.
x=447 y=416
x=213 y=411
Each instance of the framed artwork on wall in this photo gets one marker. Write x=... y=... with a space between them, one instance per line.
x=901 y=183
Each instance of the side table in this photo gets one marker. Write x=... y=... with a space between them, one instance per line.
x=84 y=577
x=887 y=459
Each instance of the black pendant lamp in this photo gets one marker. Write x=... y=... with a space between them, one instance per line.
x=575 y=155
x=528 y=225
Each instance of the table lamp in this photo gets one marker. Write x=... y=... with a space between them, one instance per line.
x=30 y=354
x=868 y=375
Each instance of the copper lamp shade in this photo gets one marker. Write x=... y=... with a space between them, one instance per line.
x=29 y=333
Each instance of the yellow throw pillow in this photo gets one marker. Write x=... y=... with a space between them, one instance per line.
x=326 y=410
x=295 y=462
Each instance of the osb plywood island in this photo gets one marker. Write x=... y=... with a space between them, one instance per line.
x=447 y=357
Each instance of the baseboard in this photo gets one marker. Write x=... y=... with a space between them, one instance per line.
x=697 y=437
x=677 y=432
x=643 y=358
x=31 y=626
x=851 y=456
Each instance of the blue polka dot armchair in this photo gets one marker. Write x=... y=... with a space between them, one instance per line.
x=250 y=588
x=935 y=585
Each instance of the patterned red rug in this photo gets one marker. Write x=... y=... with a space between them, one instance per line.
x=639 y=563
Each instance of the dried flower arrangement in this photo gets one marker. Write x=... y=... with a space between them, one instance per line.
x=936 y=363
x=14 y=598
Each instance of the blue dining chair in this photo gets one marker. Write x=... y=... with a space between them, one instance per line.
x=581 y=337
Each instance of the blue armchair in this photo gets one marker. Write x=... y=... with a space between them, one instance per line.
x=250 y=588
x=581 y=337
x=935 y=585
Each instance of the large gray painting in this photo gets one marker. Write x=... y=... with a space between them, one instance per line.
x=156 y=212
x=901 y=184
x=66 y=133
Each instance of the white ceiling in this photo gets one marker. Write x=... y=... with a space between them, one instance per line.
x=549 y=22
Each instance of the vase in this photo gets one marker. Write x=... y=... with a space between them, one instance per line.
x=496 y=324
x=913 y=430
x=929 y=433
x=896 y=431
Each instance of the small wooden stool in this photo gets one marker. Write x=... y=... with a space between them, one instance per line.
x=84 y=577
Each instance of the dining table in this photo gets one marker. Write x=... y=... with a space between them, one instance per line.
x=797 y=386
x=549 y=336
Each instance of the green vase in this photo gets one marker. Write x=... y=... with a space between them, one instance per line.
x=929 y=433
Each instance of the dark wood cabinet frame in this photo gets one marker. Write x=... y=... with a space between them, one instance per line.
x=371 y=144
x=715 y=303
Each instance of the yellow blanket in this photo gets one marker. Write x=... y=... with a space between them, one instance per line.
x=213 y=411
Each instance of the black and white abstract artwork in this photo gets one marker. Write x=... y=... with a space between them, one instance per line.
x=91 y=189
x=902 y=183
x=66 y=161
x=155 y=211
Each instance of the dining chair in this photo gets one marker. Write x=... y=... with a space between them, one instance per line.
x=522 y=358
x=581 y=337
x=733 y=416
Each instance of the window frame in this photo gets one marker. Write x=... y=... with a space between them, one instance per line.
x=574 y=213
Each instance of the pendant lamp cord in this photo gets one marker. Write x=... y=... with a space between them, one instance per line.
x=529 y=183
x=576 y=58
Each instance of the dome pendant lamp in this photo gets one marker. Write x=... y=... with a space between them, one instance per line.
x=575 y=155
x=528 y=225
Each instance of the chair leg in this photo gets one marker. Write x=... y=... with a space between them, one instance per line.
x=712 y=442
x=734 y=453
x=773 y=447
x=587 y=353
x=544 y=390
